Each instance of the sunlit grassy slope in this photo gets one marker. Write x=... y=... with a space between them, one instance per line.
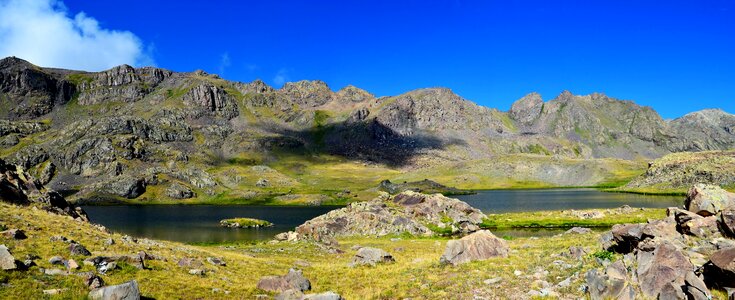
x=416 y=273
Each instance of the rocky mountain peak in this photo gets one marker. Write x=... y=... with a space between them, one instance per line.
x=256 y=86
x=14 y=63
x=351 y=93
x=527 y=109
x=309 y=93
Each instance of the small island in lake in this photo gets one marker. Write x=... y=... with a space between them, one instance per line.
x=244 y=223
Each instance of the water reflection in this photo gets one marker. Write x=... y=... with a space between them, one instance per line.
x=200 y=223
x=501 y=201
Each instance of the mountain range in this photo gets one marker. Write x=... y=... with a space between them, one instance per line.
x=151 y=134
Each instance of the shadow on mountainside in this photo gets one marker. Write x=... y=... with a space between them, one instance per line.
x=369 y=140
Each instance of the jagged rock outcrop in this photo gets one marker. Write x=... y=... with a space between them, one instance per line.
x=213 y=99
x=709 y=129
x=122 y=83
x=679 y=171
x=527 y=109
x=307 y=93
x=407 y=212
x=30 y=90
x=436 y=109
x=19 y=187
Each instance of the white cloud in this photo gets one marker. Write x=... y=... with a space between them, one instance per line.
x=224 y=63
x=281 y=77
x=41 y=32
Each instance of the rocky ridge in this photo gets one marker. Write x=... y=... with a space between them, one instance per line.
x=125 y=132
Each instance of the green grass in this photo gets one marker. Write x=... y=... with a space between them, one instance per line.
x=567 y=219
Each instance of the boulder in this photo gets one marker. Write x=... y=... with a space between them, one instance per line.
x=294 y=279
x=217 y=261
x=15 y=234
x=480 y=245
x=190 y=262
x=78 y=249
x=7 y=261
x=126 y=291
x=611 y=284
x=702 y=227
x=625 y=237
x=695 y=288
x=720 y=270
x=727 y=221
x=707 y=200
x=664 y=265
x=371 y=256
x=93 y=281
x=179 y=191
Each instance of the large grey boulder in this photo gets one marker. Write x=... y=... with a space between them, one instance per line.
x=707 y=200
x=126 y=291
x=480 y=245
x=293 y=280
x=664 y=265
x=371 y=256
x=611 y=284
x=7 y=261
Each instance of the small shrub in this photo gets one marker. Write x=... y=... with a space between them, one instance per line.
x=604 y=255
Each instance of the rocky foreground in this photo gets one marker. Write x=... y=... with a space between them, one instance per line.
x=683 y=256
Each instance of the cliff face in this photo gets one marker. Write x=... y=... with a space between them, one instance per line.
x=125 y=131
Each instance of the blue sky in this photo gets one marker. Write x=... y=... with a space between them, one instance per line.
x=676 y=56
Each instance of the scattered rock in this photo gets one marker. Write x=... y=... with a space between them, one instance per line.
x=262 y=182
x=492 y=280
x=54 y=272
x=612 y=284
x=52 y=292
x=7 y=261
x=72 y=265
x=56 y=260
x=198 y=272
x=190 y=262
x=78 y=249
x=707 y=200
x=15 y=234
x=93 y=281
x=371 y=256
x=293 y=280
x=480 y=245
x=126 y=291
x=217 y=261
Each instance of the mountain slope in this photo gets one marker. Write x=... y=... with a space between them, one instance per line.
x=155 y=135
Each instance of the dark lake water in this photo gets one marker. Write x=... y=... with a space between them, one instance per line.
x=200 y=223
x=501 y=201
